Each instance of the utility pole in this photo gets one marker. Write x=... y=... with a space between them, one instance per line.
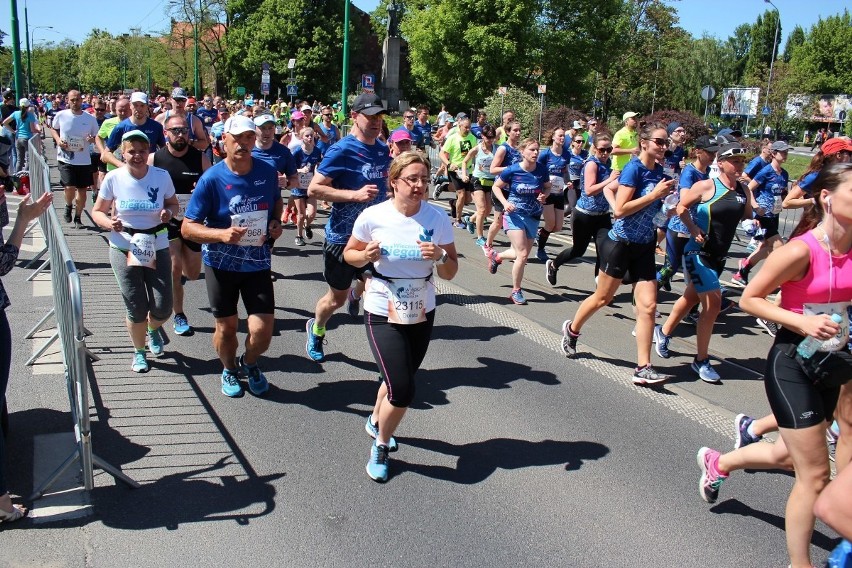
x=343 y=88
x=16 y=51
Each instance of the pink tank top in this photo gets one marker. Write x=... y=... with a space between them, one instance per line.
x=814 y=287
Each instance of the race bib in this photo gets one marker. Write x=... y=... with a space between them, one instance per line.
x=142 y=250
x=305 y=179
x=557 y=185
x=75 y=143
x=407 y=300
x=840 y=340
x=183 y=201
x=255 y=222
x=777 y=204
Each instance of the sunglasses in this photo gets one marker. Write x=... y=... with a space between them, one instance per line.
x=659 y=141
x=605 y=149
x=100 y=110
x=326 y=114
x=580 y=141
x=732 y=152
x=178 y=130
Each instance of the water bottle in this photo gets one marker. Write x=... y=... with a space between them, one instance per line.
x=841 y=557
x=811 y=345
x=669 y=203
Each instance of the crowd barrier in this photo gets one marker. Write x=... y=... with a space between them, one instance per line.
x=71 y=333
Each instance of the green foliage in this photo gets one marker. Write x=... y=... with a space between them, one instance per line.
x=100 y=62
x=692 y=123
x=560 y=117
x=796 y=38
x=823 y=63
x=763 y=34
x=525 y=106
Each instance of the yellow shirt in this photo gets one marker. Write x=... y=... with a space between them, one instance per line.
x=627 y=140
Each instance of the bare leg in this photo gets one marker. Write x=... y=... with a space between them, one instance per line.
x=259 y=336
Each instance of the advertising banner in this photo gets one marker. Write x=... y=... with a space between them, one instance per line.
x=819 y=108
x=740 y=101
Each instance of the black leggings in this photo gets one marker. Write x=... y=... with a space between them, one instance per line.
x=585 y=228
x=5 y=365
x=398 y=350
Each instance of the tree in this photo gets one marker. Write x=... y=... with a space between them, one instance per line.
x=797 y=38
x=521 y=102
x=211 y=17
x=49 y=57
x=101 y=61
x=823 y=63
x=740 y=45
x=763 y=34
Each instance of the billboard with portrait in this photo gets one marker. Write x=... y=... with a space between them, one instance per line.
x=740 y=101
x=819 y=108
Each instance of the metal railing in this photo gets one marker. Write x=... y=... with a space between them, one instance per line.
x=71 y=333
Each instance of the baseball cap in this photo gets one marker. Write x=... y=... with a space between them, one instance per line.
x=297 y=115
x=706 y=143
x=262 y=119
x=305 y=107
x=178 y=93
x=369 y=104
x=135 y=135
x=835 y=145
x=460 y=116
x=450 y=119
x=672 y=127
x=24 y=102
x=779 y=146
x=238 y=125
x=577 y=125
x=399 y=135
x=139 y=97
x=191 y=101
x=629 y=114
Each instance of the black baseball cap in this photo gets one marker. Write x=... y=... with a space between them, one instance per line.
x=369 y=104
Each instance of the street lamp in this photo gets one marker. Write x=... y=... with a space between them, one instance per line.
x=772 y=61
x=30 y=48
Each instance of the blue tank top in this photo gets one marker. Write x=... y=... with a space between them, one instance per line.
x=688 y=177
x=595 y=203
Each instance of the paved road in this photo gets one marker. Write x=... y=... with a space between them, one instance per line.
x=511 y=455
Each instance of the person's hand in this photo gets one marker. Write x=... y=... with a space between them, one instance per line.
x=232 y=235
x=63 y=143
x=509 y=208
x=430 y=251
x=274 y=229
x=166 y=215
x=697 y=234
x=541 y=198
x=29 y=210
x=373 y=251
x=452 y=167
x=365 y=194
x=663 y=188
x=819 y=326
x=116 y=224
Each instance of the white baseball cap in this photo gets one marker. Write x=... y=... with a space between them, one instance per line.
x=239 y=124
x=139 y=97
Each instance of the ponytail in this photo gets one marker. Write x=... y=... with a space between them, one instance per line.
x=830 y=178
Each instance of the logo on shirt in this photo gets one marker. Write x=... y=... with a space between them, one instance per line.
x=152 y=193
x=426 y=235
x=373 y=172
x=245 y=204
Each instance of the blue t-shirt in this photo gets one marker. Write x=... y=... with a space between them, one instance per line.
x=22 y=127
x=301 y=159
x=221 y=193
x=596 y=203
x=770 y=189
x=333 y=134
x=525 y=187
x=575 y=164
x=352 y=164
x=807 y=183
x=424 y=132
x=674 y=157
x=208 y=117
x=638 y=227
x=512 y=155
x=754 y=166
x=152 y=129
x=556 y=164
x=278 y=156
x=688 y=177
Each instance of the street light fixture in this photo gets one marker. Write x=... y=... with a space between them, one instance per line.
x=774 y=48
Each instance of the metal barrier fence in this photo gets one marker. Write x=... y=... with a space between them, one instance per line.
x=68 y=313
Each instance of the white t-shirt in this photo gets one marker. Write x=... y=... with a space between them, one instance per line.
x=400 y=253
x=138 y=202
x=74 y=128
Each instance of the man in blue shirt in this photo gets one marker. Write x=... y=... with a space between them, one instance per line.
x=139 y=120
x=235 y=210
x=352 y=176
x=423 y=128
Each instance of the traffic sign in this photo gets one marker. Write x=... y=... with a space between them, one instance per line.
x=368 y=81
x=766 y=111
x=292 y=90
x=502 y=91
x=707 y=93
x=291 y=63
x=264 y=88
x=598 y=103
x=542 y=89
x=241 y=91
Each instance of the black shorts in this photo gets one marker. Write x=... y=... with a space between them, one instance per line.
x=626 y=261
x=557 y=200
x=498 y=205
x=770 y=225
x=174 y=233
x=75 y=176
x=477 y=185
x=225 y=287
x=797 y=398
x=338 y=273
x=457 y=184
x=97 y=164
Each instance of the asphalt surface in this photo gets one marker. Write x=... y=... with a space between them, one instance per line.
x=512 y=455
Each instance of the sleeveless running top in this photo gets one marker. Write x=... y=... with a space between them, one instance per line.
x=482 y=163
x=820 y=285
x=189 y=117
x=512 y=156
x=184 y=170
x=718 y=218
x=595 y=203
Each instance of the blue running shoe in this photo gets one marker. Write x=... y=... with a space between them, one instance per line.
x=470 y=225
x=373 y=431
x=705 y=371
x=231 y=384
x=139 y=365
x=480 y=242
x=741 y=436
x=377 y=467
x=313 y=344
x=182 y=326
x=155 y=342
x=518 y=298
x=661 y=342
x=541 y=255
x=258 y=385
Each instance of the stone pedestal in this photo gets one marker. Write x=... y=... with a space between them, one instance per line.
x=390 y=73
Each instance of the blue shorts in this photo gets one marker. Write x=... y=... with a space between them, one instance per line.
x=520 y=222
x=701 y=270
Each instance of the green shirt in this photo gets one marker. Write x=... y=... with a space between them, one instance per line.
x=104 y=132
x=457 y=147
x=626 y=140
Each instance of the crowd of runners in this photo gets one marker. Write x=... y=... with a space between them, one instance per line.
x=182 y=188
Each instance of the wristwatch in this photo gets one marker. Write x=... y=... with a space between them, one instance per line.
x=444 y=257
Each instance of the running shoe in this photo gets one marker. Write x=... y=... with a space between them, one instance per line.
x=569 y=339
x=353 y=304
x=739 y=280
x=751 y=246
x=257 y=382
x=373 y=431
x=231 y=384
x=770 y=326
x=493 y=261
x=300 y=242
x=139 y=365
x=741 y=436
x=155 y=342
x=436 y=191
x=459 y=225
x=647 y=376
x=693 y=316
x=661 y=342
x=550 y=272
x=181 y=325
x=468 y=224
x=78 y=223
x=711 y=477
x=727 y=305
x=309 y=233
x=314 y=342
x=707 y=373
x=518 y=298
x=94 y=196
x=480 y=241
x=67 y=215
x=377 y=467
x=542 y=255
x=486 y=249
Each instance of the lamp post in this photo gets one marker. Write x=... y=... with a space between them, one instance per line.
x=344 y=84
x=30 y=49
x=772 y=61
x=195 y=30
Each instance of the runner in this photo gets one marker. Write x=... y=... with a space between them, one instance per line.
x=507 y=153
x=138 y=120
x=423 y=128
x=185 y=165
x=482 y=156
x=329 y=129
x=406 y=239
x=24 y=122
x=505 y=127
x=453 y=154
x=134 y=205
x=625 y=142
x=834 y=151
x=180 y=106
x=528 y=186
x=234 y=211
x=719 y=205
x=627 y=252
x=591 y=215
x=400 y=141
x=216 y=132
x=577 y=159
x=306 y=158
x=352 y=176
x=758 y=162
x=556 y=159
x=278 y=156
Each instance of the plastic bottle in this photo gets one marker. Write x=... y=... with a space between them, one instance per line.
x=841 y=556
x=811 y=345
x=669 y=203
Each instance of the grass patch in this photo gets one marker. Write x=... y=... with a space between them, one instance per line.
x=796 y=165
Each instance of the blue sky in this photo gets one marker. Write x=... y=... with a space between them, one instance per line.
x=717 y=17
